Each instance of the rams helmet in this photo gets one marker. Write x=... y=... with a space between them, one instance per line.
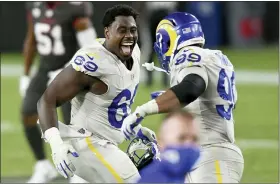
x=175 y=31
x=142 y=152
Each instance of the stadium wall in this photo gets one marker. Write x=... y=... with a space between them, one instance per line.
x=13 y=22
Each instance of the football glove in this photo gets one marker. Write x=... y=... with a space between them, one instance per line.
x=60 y=151
x=130 y=125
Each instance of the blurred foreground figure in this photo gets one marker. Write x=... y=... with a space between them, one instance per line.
x=178 y=136
x=55 y=30
x=203 y=82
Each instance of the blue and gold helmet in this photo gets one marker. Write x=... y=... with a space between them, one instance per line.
x=174 y=32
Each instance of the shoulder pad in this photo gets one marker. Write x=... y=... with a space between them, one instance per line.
x=89 y=61
x=190 y=56
x=100 y=40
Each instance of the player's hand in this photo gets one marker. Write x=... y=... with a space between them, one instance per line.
x=147 y=134
x=61 y=160
x=155 y=151
x=130 y=125
x=60 y=152
x=23 y=84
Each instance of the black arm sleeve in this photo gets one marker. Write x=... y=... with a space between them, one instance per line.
x=191 y=87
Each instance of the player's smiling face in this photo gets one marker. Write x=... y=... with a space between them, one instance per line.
x=121 y=36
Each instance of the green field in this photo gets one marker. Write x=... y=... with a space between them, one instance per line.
x=256 y=119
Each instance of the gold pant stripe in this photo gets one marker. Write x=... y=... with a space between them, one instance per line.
x=103 y=161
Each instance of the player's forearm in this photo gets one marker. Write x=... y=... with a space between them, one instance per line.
x=167 y=102
x=180 y=95
x=162 y=104
x=67 y=84
x=47 y=112
x=29 y=54
x=48 y=120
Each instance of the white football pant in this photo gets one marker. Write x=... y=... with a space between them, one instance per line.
x=219 y=163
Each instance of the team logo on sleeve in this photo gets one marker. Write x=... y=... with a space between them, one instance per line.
x=93 y=56
x=90 y=57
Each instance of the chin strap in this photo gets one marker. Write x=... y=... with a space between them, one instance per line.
x=151 y=67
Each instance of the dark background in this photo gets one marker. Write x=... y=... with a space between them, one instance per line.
x=13 y=22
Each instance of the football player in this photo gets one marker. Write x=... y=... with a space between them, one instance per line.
x=55 y=30
x=202 y=81
x=102 y=81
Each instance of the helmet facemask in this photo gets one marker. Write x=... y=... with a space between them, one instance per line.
x=140 y=152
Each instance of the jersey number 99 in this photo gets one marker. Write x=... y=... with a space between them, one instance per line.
x=226 y=89
x=115 y=106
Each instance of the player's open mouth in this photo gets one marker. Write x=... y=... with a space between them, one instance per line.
x=127 y=48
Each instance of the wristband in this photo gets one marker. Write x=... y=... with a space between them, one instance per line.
x=52 y=136
x=150 y=107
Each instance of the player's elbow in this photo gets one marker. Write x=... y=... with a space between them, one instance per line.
x=191 y=87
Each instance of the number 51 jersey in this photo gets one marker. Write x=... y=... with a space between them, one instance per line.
x=54 y=30
x=103 y=114
x=214 y=108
